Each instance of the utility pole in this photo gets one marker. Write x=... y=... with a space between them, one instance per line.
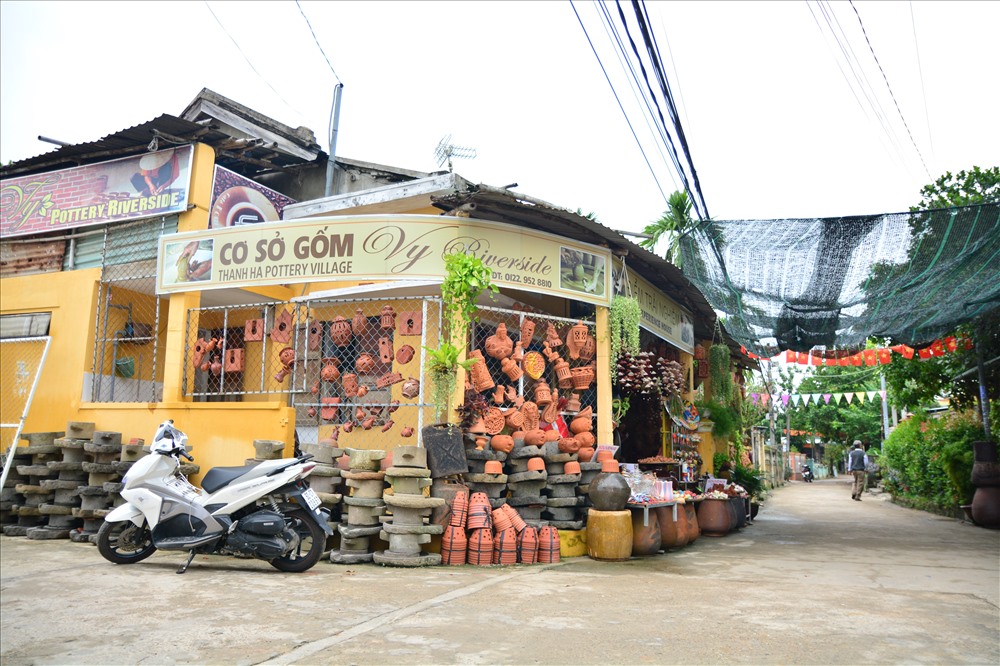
x=885 y=411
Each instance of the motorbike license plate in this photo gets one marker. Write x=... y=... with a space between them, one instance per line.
x=311 y=498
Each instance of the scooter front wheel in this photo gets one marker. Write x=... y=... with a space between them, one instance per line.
x=312 y=541
x=125 y=542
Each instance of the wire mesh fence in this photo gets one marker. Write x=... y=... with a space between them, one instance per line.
x=128 y=363
x=21 y=363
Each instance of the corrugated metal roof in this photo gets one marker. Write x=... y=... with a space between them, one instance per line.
x=31 y=257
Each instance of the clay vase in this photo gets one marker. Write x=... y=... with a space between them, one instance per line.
x=670 y=536
x=330 y=371
x=504 y=443
x=714 y=517
x=340 y=331
x=527 y=546
x=693 y=530
x=359 y=324
x=548 y=545
x=609 y=491
x=645 y=538
x=388 y=318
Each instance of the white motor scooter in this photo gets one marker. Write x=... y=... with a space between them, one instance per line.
x=266 y=511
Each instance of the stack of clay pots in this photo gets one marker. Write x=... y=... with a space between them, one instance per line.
x=479 y=536
x=486 y=472
x=364 y=507
x=407 y=528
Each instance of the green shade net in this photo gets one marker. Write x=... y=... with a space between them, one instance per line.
x=834 y=282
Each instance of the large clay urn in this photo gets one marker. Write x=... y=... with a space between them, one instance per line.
x=609 y=491
x=671 y=538
x=714 y=517
x=645 y=538
x=682 y=526
x=985 y=508
x=693 y=530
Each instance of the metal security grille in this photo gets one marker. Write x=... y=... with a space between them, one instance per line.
x=21 y=363
x=127 y=348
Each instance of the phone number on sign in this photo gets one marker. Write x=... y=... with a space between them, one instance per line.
x=514 y=277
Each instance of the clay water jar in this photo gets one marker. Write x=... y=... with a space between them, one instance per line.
x=671 y=537
x=693 y=531
x=645 y=538
x=608 y=490
x=714 y=517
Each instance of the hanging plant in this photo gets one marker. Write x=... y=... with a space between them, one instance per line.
x=623 y=320
x=719 y=373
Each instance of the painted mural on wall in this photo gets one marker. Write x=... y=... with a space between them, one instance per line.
x=115 y=191
x=382 y=247
x=238 y=201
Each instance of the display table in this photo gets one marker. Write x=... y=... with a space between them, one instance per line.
x=651 y=505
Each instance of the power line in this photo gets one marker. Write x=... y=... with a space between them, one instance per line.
x=865 y=33
x=615 y=93
x=301 y=11
x=920 y=69
x=236 y=44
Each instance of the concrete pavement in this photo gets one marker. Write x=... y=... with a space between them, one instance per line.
x=818 y=579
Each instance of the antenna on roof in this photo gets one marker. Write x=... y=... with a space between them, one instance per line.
x=446 y=150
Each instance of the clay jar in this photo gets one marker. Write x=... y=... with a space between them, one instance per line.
x=330 y=371
x=534 y=437
x=499 y=345
x=608 y=490
x=504 y=443
x=340 y=331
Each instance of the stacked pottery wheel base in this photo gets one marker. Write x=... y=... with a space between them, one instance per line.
x=364 y=507
x=408 y=527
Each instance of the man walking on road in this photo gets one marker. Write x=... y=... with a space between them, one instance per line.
x=856 y=466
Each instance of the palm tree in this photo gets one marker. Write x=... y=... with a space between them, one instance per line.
x=674 y=222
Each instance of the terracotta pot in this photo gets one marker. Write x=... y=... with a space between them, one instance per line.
x=582 y=377
x=586 y=439
x=504 y=443
x=527 y=546
x=480 y=551
x=454 y=546
x=536 y=464
x=543 y=394
x=585 y=454
x=608 y=490
x=645 y=538
x=714 y=517
x=387 y=318
x=480 y=512
x=683 y=527
x=460 y=509
x=493 y=467
x=605 y=455
x=330 y=371
x=340 y=331
x=548 y=545
x=364 y=364
x=534 y=437
x=505 y=547
x=568 y=445
x=985 y=508
x=693 y=530
x=350 y=383
x=501 y=520
x=581 y=424
x=571 y=467
x=515 y=517
x=359 y=324
x=671 y=537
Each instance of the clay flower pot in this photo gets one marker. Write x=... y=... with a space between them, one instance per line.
x=480 y=547
x=504 y=443
x=572 y=467
x=505 y=546
x=480 y=512
x=548 y=545
x=586 y=439
x=515 y=517
x=605 y=455
x=581 y=424
x=454 y=546
x=501 y=521
x=493 y=467
x=527 y=546
x=536 y=465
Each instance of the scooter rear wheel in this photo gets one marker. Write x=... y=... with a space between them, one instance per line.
x=125 y=542
x=311 y=546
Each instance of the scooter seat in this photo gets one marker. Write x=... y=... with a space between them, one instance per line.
x=221 y=476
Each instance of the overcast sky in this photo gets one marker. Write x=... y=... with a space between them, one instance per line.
x=776 y=121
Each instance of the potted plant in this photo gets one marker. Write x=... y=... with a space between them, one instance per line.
x=466 y=277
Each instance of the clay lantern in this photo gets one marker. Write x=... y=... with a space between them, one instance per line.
x=364 y=363
x=577 y=339
x=340 y=331
x=511 y=369
x=543 y=394
x=359 y=324
x=527 y=332
x=388 y=318
x=330 y=371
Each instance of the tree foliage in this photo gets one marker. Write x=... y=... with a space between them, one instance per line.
x=675 y=221
x=964 y=188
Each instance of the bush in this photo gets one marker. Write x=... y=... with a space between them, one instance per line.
x=929 y=461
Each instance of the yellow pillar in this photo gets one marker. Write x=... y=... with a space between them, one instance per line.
x=604 y=429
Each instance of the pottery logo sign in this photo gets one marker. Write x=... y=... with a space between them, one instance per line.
x=127 y=189
x=237 y=201
x=380 y=247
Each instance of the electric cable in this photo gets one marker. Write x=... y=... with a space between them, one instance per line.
x=920 y=69
x=891 y=94
x=238 y=48
x=615 y=93
x=320 y=46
